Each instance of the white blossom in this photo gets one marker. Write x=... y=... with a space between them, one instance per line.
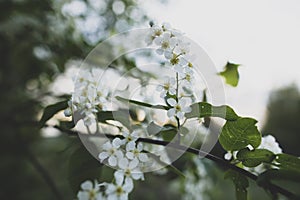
x=89 y=192
x=135 y=152
x=269 y=142
x=178 y=108
x=112 y=151
x=165 y=42
x=89 y=96
x=155 y=31
x=129 y=137
x=120 y=189
x=129 y=170
x=167 y=87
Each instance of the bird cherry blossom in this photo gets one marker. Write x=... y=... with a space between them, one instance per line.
x=111 y=151
x=129 y=170
x=89 y=192
x=135 y=152
x=120 y=189
x=178 y=108
x=167 y=87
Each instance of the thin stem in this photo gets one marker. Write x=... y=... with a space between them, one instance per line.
x=267 y=185
x=177 y=119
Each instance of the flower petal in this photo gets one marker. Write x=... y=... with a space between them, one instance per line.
x=112 y=161
x=103 y=155
x=87 y=185
x=172 y=101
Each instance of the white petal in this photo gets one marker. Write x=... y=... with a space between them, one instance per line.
x=172 y=101
x=168 y=54
x=123 y=196
x=171 y=112
x=133 y=164
x=119 y=154
x=143 y=157
x=130 y=155
x=119 y=176
x=117 y=142
x=103 y=155
x=137 y=175
x=130 y=146
x=87 y=185
x=107 y=146
x=112 y=161
x=110 y=188
x=180 y=115
x=159 y=88
x=128 y=186
x=123 y=163
x=172 y=91
x=140 y=147
x=228 y=156
x=112 y=197
x=83 y=195
x=187 y=109
x=159 y=51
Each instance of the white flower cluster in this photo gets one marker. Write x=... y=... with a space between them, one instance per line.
x=176 y=50
x=89 y=96
x=267 y=142
x=128 y=157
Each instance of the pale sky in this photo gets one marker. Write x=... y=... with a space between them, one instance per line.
x=262 y=35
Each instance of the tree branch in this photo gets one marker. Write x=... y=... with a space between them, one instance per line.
x=267 y=185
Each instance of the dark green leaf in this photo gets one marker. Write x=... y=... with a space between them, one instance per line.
x=67 y=124
x=139 y=103
x=255 y=157
x=231 y=74
x=123 y=116
x=236 y=135
x=288 y=162
x=203 y=109
x=82 y=166
x=51 y=110
x=168 y=132
x=278 y=174
x=240 y=182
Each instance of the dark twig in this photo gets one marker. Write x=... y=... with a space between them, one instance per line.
x=267 y=185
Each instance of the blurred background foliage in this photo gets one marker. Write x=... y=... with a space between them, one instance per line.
x=37 y=40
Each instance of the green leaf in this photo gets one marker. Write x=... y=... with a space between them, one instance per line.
x=236 y=135
x=278 y=174
x=139 y=103
x=67 y=124
x=168 y=131
x=288 y=162
x=122 y=115
x=240 y=182
x=82 y=166
x=51 y=110
x=287 y=179
x=231 y=74
x=255 y=157
x=203 y=109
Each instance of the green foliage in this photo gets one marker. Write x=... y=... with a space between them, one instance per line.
x=288 y=162
x=255 y=157
x=231 y=74
x=283 y=118
x=241 y=184
x=203 y=109
x=82 y=167
x=143 y=104
x=51 y=110
x=236 y=135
